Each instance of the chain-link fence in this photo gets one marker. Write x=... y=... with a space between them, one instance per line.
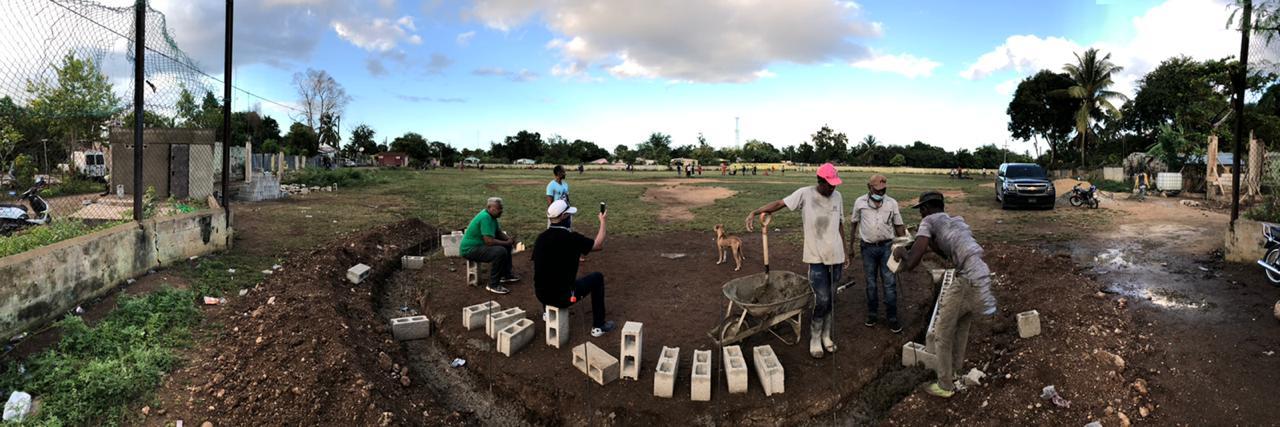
x=67 y=117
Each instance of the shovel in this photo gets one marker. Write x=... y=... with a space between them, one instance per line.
x=764 y=241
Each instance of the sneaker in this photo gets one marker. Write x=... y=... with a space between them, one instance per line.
x=871 y=321
x=895 y=326
x=603 y=329
x=498 y=289
x=510 y=279
x=937 y=390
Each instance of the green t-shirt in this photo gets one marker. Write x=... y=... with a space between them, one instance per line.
x=482 y=225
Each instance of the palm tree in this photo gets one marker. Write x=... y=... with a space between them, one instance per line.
x=1092 y=77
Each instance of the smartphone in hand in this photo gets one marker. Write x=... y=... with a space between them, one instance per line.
x=602 y=207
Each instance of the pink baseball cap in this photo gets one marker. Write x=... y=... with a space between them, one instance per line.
x=828 y=172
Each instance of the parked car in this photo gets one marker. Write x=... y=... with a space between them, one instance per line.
x=1024 y=184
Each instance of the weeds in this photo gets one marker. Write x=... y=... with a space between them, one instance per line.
x=341 y=177
x=92 y=374
x=73 y=186
x=55 y=231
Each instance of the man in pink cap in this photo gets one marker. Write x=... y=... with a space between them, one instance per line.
x=822 y=209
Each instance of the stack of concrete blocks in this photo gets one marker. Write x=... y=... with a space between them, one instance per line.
x=473 y=273
x=632 y=342
x=451 y=244
x=476 y=316
x=410 y=262
x=410 y=328
x=515 y=336
x=358 y=273
x=769 y=370
x=664 y=374
x=557 y=326
x=598 y=364
x=735 y=369
x=914 y=354
x=700 y=379
x=1028 y=324
x=500 y=320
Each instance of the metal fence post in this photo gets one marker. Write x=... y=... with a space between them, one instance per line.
x=139 y=69
x=226 y=116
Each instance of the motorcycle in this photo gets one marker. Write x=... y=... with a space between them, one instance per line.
x=1080 y=196
x=14 y=216
x=1271 y=261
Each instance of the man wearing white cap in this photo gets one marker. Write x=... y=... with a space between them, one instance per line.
x=556 y=256
x=822 y=209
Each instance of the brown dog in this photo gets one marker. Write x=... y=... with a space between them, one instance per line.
x=728 y=241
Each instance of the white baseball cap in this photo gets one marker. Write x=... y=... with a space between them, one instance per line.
x=560 y=207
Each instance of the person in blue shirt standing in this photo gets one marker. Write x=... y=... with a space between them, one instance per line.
x=558 y=189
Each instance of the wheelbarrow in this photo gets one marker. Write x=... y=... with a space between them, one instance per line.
x=761 y=301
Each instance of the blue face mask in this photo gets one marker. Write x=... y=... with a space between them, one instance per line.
x=877 y=197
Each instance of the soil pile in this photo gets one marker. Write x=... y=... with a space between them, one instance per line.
x=678 y=201
x=307 y=347
x=1087 y=337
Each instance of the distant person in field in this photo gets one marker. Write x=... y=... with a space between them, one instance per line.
x=970 y=292
x=557 y=189
x=876 y=221
x=485 y=242
x=556 y=256
x=581 y=168
x=822 y=211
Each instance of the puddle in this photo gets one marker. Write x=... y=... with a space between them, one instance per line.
x=1112 y=258
x=1159 y=297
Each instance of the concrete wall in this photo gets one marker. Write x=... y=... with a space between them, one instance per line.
x=1245 y=244
x=42 y=284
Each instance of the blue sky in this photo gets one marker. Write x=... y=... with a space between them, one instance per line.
x=471 y=72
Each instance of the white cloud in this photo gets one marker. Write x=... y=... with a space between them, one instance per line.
x=521 y=76
x=1194 y=28
x=465 y=38
x=707 y=41
x=376 y=34
x=905 y=64
x=765 y=74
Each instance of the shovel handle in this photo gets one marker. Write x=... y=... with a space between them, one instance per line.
x=764 y=237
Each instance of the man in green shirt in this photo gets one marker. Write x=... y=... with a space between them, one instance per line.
x=484 y=241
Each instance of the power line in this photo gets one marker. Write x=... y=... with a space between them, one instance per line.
x=184 y=63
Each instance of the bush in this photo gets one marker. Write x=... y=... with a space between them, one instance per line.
x=55 y=231
x=1114 y=186
x=74 y=185
x=316 y=177
x=24 y=171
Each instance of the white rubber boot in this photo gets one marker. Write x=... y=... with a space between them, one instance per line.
x=815 y=338
x=828 y=343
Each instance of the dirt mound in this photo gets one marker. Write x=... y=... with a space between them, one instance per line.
x=1083 y=331
x=1064 y=185
x=678 y=201
x=307 y=347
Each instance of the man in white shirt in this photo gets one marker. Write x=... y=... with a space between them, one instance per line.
x=876 y=220
x=822 y=210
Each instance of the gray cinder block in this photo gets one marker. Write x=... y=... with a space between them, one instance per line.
x=515 y=336
x=410 y=328
x=769 y=369
x=410 y=262
x=498 y=321
x=664 y=374
x=358 y=273
x=557 y=327
x=735 y=369
x=700 y=380
x=1028 y=324
x=476 y=316
x=632 y=342
x=598 y=364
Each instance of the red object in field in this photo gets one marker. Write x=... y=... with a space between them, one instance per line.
x=572 y=298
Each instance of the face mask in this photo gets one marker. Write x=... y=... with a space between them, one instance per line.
x=877 y=197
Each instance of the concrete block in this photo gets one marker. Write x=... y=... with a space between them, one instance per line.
x=948 y=279
x=632 y=342
x=916 y=354
x=735 y=369
x=909 y=353
x=358 y=273
x=700 y=380
x=473 y=273
x=476 y=316
x=500 y=320
x=515 y=336
x=973 y=378
x=1028 y=324
x=769 y=370
x=451 y=244
x=411 y=328
x=598 y=364
x=410 y=262
x=664 y=374
x=926 y=358
x=557 y=326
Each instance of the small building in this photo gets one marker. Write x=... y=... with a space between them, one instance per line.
x=524 y=162
x=391 y=159
x=600 y=161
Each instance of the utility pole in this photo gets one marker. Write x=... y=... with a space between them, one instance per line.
x=139 y=71
x=1241 y=77
x=226 y=116
x=737 y=133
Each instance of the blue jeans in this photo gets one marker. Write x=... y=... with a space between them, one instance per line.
x=823 y=279
x=875 y=262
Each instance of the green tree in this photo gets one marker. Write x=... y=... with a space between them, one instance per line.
x=522 y=145
x=77 y=106
x=447 y=154
x=188 y=111
x=1041 y=110
x=656 y=148
x=414 y=145
x=755 y=150
x=806 y=154
x=210 y=113
x=898 y=160
x=829 y=145
x=1092 y=77
x=329 y=130
x=704 y=153
x=301 y=140
x=9 y=138
x=623 y=153
x=362 y=140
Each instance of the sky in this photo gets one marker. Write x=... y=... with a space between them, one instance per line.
x=612 y=72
